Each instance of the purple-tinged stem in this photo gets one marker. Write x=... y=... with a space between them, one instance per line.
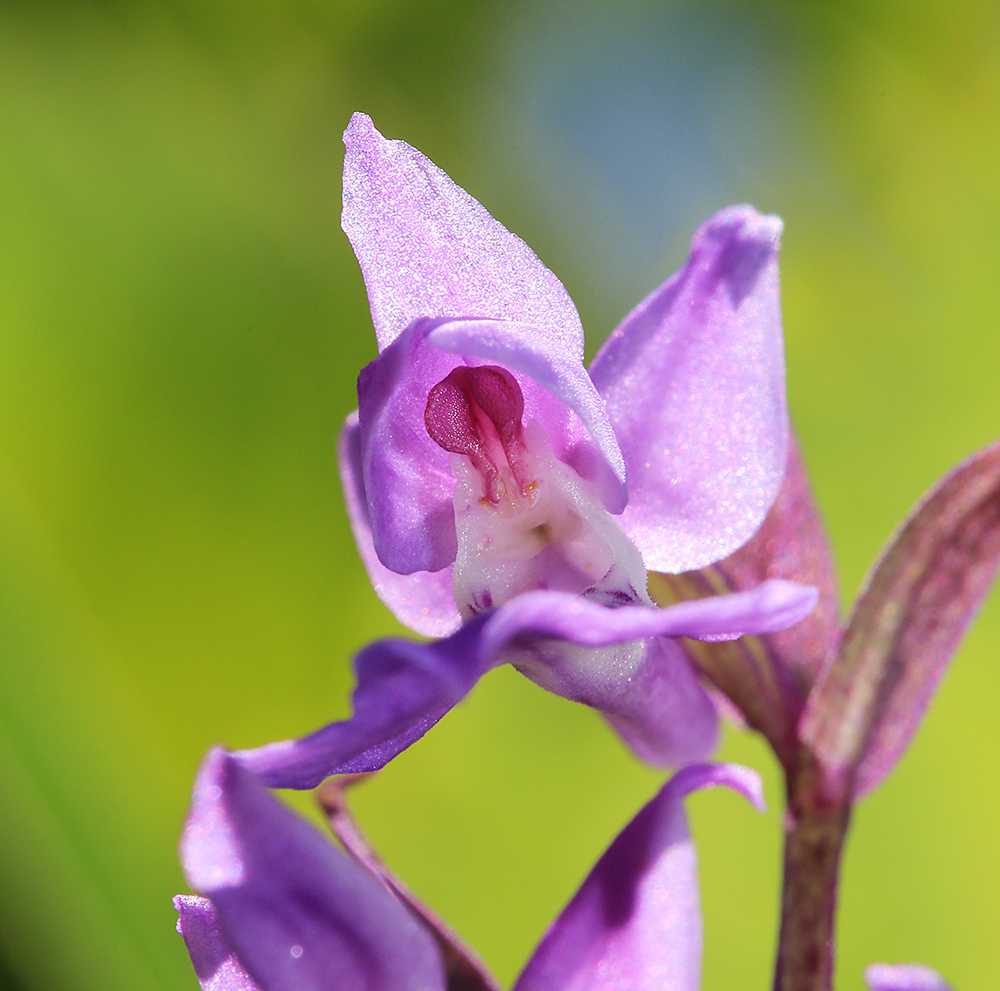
x=816 y=823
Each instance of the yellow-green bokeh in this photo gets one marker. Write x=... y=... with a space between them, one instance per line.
x=181 y=324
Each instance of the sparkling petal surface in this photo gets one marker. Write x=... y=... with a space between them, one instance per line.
x=769 y=677
x=694 y=380
x=920 y=598
x=405 y=688
x=428 y=249
x=423 y=601
x=215 y=962
x=299 y=915
x=791 y=544
x=636 y=921
x=904 y=977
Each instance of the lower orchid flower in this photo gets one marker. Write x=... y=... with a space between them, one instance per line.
x=485 y=470
x=283 y=910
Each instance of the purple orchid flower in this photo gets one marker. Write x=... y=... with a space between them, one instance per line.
x=283 y=910
x=485 y=469
x=483 y=453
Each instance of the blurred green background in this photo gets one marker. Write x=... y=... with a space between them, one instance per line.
x=181 y=325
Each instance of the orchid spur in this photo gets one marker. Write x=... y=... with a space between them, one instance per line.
x=487 y=473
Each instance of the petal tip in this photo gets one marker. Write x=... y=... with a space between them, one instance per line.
x=360 y=128
x=211 y=773
x=764 y=228
x=744 y=224
x=179 y=905
x=193 y=911
x=789 y=601
x=751 y=786
x=904 y=977
x=741 y=779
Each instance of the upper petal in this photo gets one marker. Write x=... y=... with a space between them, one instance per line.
x=298 y=914
x=423 y=601
x=904 y=977
x=428 y=249
x=636 y=921
x=694 y=379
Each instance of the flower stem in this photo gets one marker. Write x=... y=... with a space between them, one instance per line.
x=816 y=824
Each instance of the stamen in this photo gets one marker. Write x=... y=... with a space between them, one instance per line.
x=478 y=412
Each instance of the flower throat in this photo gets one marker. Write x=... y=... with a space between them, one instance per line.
x=478 y=412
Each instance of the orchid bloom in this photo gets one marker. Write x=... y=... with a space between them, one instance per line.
x=283 y=910
x=488 y=474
